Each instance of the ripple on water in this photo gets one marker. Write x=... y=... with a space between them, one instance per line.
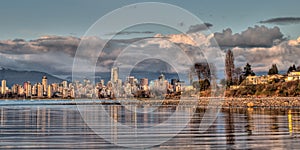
x=62 y=126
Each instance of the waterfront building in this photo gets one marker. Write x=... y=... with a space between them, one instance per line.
x=34 y=90
x=144 y=82
x=72 y=93
x=49 y=91
x=40 y=90
x=54 y=87
x=27 y=89
x=102 y=82
x=20 y=90
x=3 y=87
x=44 y=83
x=65 y=93
x=114 y=74
x=14 y=89
x=64 y=84
x=161 y=77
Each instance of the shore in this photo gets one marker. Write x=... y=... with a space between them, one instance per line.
x=202 y=101
x=262 y=102
x=237 y=102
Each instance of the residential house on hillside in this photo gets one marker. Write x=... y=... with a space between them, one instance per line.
x=293 y=76
x=254 y=80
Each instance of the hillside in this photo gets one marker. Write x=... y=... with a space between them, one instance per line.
x=19 y=77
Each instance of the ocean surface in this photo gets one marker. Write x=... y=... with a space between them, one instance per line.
x=42 y=124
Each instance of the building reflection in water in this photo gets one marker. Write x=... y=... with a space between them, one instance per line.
x=63 y=126
x=229 y=128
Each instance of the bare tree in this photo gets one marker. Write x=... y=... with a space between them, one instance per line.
x=229 y=66
x=202 y=70
x=236 y=75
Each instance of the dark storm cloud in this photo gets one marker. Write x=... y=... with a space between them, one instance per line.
x=43 y=44
x=199 y=27
x=282 y=20
x=259 y=36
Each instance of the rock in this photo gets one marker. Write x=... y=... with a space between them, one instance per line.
x=250 y=104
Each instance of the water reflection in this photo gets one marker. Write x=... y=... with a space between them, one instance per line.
x=58 y=126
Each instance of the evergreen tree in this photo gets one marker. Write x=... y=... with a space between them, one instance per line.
x=273 y=70
x=291 y=69
x=248 y=71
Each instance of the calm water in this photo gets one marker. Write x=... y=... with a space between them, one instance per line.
x=35 y=125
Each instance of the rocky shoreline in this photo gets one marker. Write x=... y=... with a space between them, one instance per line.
x=227 y=102
x=262 y=102
x=234 y=102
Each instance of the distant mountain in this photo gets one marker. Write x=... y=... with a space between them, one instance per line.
x=19 y=77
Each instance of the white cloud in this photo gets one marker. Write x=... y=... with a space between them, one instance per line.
x=294 y=42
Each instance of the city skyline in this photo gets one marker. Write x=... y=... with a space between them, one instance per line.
x=113 y=88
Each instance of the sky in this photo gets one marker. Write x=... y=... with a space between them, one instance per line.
x=44 y=35
x=34 y=18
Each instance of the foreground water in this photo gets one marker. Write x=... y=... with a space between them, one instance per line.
x=39 y=124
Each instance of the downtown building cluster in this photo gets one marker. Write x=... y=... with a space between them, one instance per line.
x=115 y=88
x=38 y=90
x=131 y=87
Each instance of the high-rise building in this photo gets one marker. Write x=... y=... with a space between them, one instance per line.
x=44 y=83
x=34 y=90
x=49 y=91
x=14 y=89
x=27 y=88
x=102 y=82
x=40 y=90
x=64 y=84
x=55 y=87
x=20 y=90
x=3 y=87
x=130 y=79
x=114 y=74
x=144 y=82
x=161 y=77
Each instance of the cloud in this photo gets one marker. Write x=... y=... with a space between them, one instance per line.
x=294 y=42
x=41 y=45
x=261 y=58
x=259 y=36
x=199 y=27
x=54 y=54
x=130 y=32
x=282 y=20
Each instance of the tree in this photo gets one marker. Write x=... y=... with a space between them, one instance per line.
x=202 y=70
x=236 y=75
x=291 y=69
x=248 y=71
x=205 y=73
x=204 y=85
x=273 y=70
x=229 y=66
